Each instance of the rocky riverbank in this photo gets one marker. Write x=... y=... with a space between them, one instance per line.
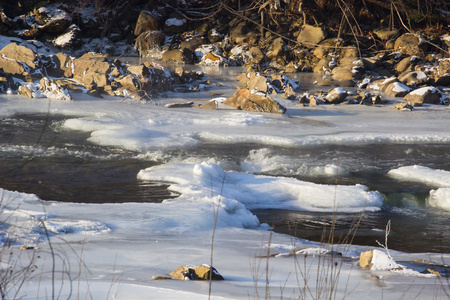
x=50 y=52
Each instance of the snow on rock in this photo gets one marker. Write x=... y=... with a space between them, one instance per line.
x=439 y=178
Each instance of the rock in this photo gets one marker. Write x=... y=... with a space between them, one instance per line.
x=321 y=51
x=70 y=38
x=311 y=36
x=193 y=43
x=178 y=56
x=444 y=67
x=258 y=83
x=148 y=41
x=27 y=90
x=212 y=59
x=385 y=34
x=32 y=33
x=405 y=64
x=397 y=89
x=239 y=32
x=210 y=105
x=350 y=68
x=145 y=22
x=202 y=272
x=18 y=53
x=60 y=65
x=56 y=27
x=377 y=260
x=92 y=63
x=424 y=95
x=336 y=95
x=177 y=105
x=52 y=90
x=6 y=82
x=443 y=80
x=214 y=36
x=129 y=82
x=405 y=106
x=13 y=67
x=276 y=48
x=256 y=55
x=413 y=78
x=183 y=273
x=139 y=70
x=365 y=260
x=44 y=15
x=246 y=100
x=382 y=84
x=205 y=272
x=323 y=66
x=408 y=44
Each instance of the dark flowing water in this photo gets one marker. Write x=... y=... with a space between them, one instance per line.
x=38 y=157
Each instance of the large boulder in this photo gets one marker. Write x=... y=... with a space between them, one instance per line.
x=310 y=36
x=427 y=94
x=53 y=20
x=19 y=53
x=146 y=22
x=249 y=101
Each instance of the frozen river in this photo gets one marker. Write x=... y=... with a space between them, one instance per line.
x=98 y=163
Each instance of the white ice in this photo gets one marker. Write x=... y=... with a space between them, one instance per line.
x=434 y=177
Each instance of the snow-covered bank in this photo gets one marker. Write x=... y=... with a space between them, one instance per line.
x=117 y=250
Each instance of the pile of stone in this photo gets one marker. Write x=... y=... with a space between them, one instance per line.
x=58 y=76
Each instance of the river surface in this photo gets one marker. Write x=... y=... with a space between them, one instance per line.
x=39 y=157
